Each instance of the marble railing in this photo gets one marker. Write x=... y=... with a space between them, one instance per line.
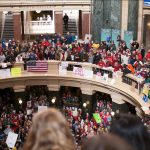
x=119 y=91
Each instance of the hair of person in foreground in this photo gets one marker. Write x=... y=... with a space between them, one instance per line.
x=49 y=131
x=106 y=142
x=131 y=129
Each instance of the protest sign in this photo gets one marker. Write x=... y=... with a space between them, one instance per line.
x=15 y=72
x=29 y=111
x=4 y=73
x=97 y=117
x=105 y=77
x=41 y=108
x=11 y=139
x=4 y=65
x=87 y=38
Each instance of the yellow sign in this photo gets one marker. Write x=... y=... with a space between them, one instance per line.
x=15 y=72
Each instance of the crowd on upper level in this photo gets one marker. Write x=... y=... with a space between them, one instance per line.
x=133 y=59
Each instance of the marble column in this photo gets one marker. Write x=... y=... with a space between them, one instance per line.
x=59 y=22
x=133 y=12
x=17 y=26
x=124 y=17
x=97 y=19
x=116 y=6
x=85 y=23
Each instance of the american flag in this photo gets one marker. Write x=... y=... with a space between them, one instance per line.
x=37 y=66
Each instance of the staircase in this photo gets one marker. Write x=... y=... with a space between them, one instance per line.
x=8 y=32
x=1 y=16
x=72 y=27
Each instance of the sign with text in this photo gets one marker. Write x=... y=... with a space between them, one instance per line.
x=5 y=73
x=41 y=108
x=11 y=139
x=83 y=72
x=15 y=72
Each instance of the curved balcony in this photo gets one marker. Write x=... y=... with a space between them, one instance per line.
x=54 y=78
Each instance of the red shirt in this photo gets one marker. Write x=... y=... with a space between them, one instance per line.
x=101 y=64
x=148 y=56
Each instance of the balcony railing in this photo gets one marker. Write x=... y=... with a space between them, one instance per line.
x=36 y=2
x=40 y=27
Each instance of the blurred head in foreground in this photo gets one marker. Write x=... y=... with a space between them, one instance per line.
x=49 y=131
x=131 y=129
x=106 y=142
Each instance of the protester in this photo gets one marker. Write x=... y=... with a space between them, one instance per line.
x=106 y=142
x=131 y=129
x=49 y=131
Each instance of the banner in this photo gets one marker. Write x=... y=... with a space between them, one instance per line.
x=78 y=71
x=97 y=117
x=15 y=72
x=128 y=37
x=5 y=73
x=11 y=139
x=105 y=34
x=115 y=34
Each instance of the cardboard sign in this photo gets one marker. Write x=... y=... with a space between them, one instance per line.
x=15 y=72
x=41 y=108
x=11 y=139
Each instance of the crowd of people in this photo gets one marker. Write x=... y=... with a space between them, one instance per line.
x=132 y=59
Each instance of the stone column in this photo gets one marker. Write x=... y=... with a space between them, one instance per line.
x=133 y=12
x=17 y=26
x=58 y=17
x=97 y=19
x=116 y=6
x=86 y=21
x=140 y=22
x=124 y=18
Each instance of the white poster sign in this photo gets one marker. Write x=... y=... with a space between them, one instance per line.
x=4 y=65
x=29 y=104
x=88 y=73
x=29 y=111
x=41 y=108
x=87 y=38
x=98 y=76
x=78 y=71
x=5 y=73
x=11 y=139
x=105 y=77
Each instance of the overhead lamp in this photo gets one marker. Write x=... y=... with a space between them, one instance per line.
x=84 y=105
x=112 y=113
x=53 y=100
x=148 y=24
x=20 y=101
x=38 y=11
x=5 y=12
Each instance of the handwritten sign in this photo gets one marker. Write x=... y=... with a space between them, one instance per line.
x=11 y=139
x=15 y=72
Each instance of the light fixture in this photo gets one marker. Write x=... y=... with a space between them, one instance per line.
x=5 y=12
x=84 y=105
x=148 y=24
x=20 y=101
x=53 y=100
x=112 y=113
x=38 y=11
